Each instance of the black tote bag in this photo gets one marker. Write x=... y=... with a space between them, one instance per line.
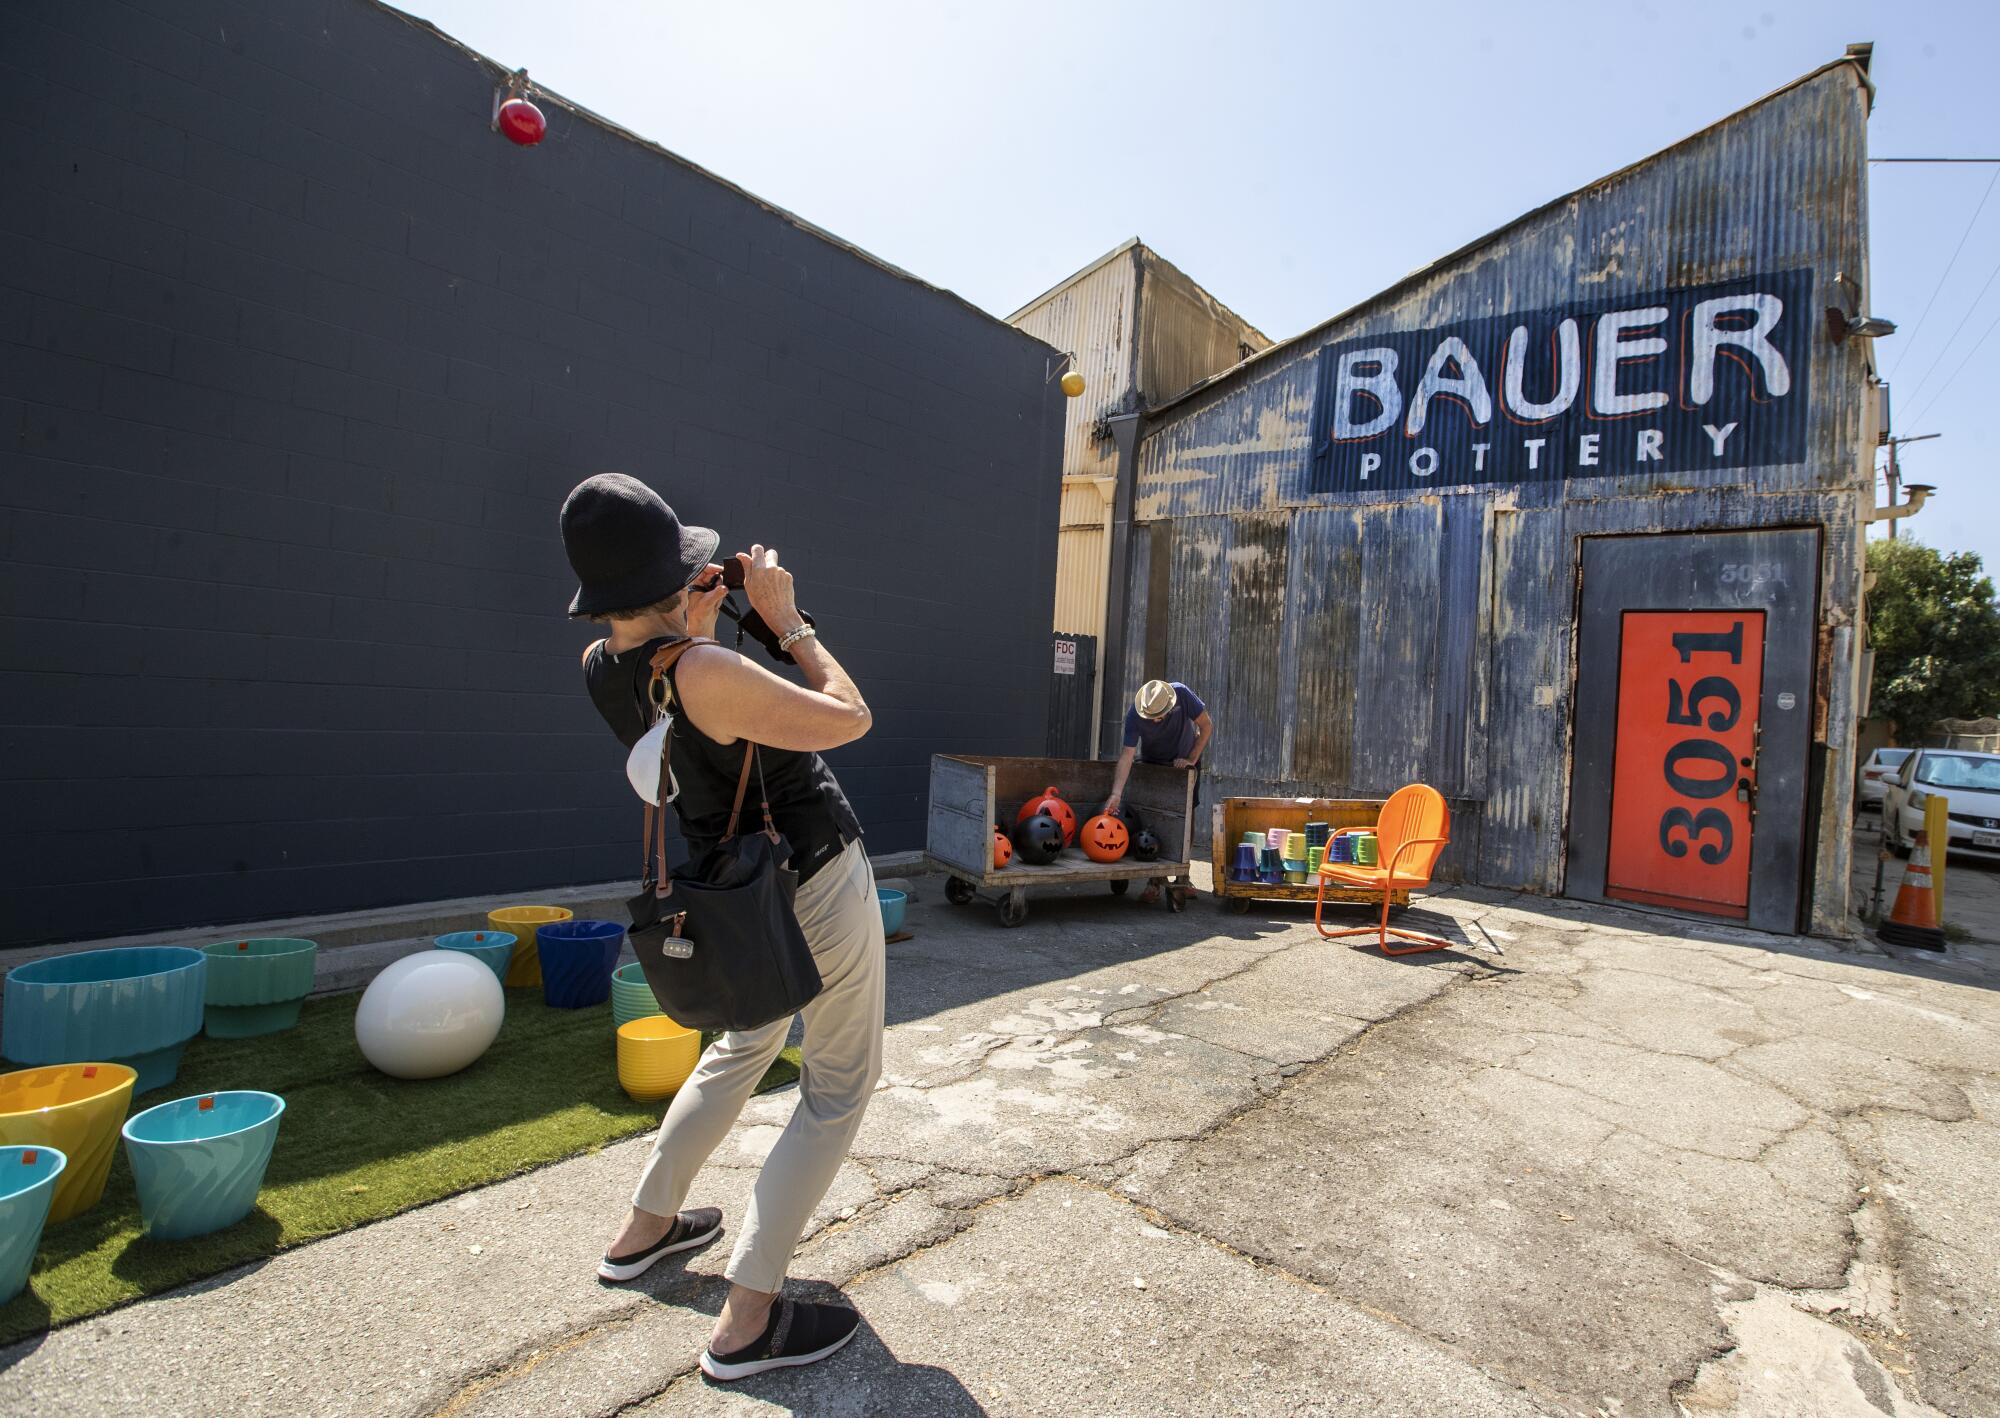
x=721 y=947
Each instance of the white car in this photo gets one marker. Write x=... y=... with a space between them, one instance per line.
x=1970 y=784
x=1876 y=771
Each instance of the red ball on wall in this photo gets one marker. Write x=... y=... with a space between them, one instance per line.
x=522 y=123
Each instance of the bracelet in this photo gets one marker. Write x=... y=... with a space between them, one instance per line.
x=793 y=637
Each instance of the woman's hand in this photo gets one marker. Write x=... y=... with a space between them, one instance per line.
x=769 y=587
x=703 y=606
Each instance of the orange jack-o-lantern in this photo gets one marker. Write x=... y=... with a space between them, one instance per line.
x=1050 y=803
x=1003 y=850
x=1105 y=838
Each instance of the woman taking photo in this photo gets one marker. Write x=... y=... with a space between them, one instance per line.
x=652 y=581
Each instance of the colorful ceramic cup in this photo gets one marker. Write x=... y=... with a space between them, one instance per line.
x=28 y=1177
x=76 y=1109
x=577 y=959
x=1246 y=863
x=655 y=1057
x=1364 y=849
x=522 y=922
x=493 y=949
x=136 y=1005
x=631 y=997
x=256 y=986
x=198 y=1162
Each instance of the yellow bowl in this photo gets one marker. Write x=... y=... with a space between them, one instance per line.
x=525 y=966
x=655 y=1057
x=75 y=1108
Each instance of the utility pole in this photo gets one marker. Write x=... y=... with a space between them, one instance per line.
x=1894 y=475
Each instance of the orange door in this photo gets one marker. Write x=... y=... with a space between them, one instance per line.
x=1684 y=774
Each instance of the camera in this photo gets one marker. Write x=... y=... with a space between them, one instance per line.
x=732 y=576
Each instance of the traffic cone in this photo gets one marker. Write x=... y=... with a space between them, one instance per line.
x=1914 y=921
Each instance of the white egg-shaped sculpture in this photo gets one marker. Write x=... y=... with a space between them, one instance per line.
x=429 y=1014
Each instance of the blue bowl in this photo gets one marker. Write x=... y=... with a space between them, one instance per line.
x=577 y=960
x=894 y=904
x=136 y=1005
x=493 y=949
x=199 y=1161
x=27 y=1185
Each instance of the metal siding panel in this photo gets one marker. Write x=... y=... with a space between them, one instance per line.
x=1185 y=334
x=1526 y=745
x=1092 y=318
x=1254 y=746
x=1461 y=549
x=1324 y=587
x=1080 y=581
x=1197 y=608
x=1397 y=669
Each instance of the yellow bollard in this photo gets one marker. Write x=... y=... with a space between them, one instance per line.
x=1936 y=820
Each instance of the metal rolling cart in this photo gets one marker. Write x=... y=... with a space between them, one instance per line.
x=971 y=793
x=1232 y=817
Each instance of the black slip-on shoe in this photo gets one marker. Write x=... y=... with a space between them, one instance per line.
x=797 y=1333
x=690 y=1229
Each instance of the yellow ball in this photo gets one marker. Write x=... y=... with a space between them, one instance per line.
x=1072 y=384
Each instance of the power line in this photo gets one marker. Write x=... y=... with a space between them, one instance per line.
x=1949 y=266
x=1976 y=160
x=1961 y=368
x=1971 y=306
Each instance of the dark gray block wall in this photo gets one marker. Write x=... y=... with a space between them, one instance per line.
x=297 y=361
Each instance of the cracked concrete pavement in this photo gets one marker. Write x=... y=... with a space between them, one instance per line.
x=1128 y=1162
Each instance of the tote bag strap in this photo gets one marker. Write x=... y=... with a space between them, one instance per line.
x=653 y=844
x=751 y=753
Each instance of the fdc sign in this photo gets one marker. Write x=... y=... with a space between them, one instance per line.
x=1700 y=377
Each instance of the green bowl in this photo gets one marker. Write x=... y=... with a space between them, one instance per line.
x=631 y=997
x=256 y=985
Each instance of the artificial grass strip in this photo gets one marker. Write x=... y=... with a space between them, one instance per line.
x=354 y=1146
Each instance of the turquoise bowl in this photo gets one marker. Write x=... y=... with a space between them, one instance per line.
x=199 y=1161
x=256 y=986
x=27 y=1184
x=493 y=949
x=631 y=997
x=893 y=904
x=136 y=1005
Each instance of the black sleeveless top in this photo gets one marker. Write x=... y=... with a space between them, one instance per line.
x=807 y=803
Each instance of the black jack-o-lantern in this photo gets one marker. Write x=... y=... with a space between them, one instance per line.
x=1038 y=840
x=1145 y=846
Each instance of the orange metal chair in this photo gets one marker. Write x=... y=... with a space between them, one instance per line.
x=1410 y=834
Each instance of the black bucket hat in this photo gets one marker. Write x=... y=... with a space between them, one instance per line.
x=627 y=547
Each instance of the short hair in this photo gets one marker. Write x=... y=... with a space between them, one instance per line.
x=637 y=612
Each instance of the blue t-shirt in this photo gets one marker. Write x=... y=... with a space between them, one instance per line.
x=1164 y=740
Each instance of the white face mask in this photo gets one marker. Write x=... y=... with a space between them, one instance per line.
x=642 y=764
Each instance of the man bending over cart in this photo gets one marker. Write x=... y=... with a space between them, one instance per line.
x=1167 y=724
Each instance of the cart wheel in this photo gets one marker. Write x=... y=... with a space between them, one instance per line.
x=1013 y=908
x=1177 y=897
x=1239 y=905
x=1122 y=885
x=958 y=890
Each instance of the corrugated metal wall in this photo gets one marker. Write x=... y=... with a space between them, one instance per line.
x=1428 y=634
x=1141 y=331
x=1185 y=334
x=1092 y=316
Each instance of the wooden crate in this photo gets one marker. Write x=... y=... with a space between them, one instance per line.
x=970 y=793
x=1232 y=817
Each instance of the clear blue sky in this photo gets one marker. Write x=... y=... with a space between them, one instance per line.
x=994 y=148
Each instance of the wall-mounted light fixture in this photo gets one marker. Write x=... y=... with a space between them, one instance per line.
x=514 y=117
x=1845 y=320
x=1072 y=378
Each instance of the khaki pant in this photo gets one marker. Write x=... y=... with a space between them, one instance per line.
x=843 y=1058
